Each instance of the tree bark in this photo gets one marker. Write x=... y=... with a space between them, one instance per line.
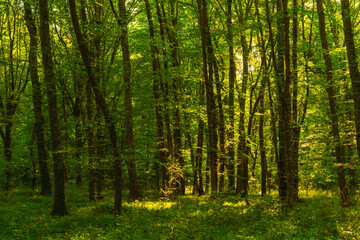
x=129 y=125
x=156 y=67
x=232 y=79
x=200 y=143
x=37 y=101
x=208 y=71
x=353 y=65
x=55 y=128
x=222 y=153
x=339 y=151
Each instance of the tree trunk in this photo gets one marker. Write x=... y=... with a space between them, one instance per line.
x=339 y=151
x=264 y=80
x=55 y=127
x=242 y=167
x=283 y=95
x=100 y=154
x=157 y=95
x=165 y=90
x=78 y=112
x=353 y=65
x=37 y=101
x=222 y=154
x=90 y=141
x=232 y=78
x=129 y=125
x=208 y=70
x=286 y=112
x=200 y=143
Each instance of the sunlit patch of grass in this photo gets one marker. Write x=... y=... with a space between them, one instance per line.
x=150 y=205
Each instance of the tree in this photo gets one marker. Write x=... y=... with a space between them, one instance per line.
x=208 y=71
x=339 y=152
x=37 y=100
x=55 y=129
x=353 y=65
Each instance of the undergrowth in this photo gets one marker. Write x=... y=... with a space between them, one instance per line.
x=26 y=215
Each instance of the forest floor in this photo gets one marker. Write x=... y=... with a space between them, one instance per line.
x=25 y=215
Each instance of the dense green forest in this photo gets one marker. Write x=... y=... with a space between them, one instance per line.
x=179 y=119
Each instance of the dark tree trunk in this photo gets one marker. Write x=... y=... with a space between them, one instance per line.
x=100 y=100
x=200 y=143
x=353 y=65
x=262 y=143
x=37 y=100
x=286 y=112
x=90 y=141
x=283 y=93
x=274 y=136
x=55 y=128
x=100 y=154
x=264 y=80
x=208 y=71
x=165 y=90
x=129 y=125
x=222 y=154
x=33 y=163
x=242 y=167
x=157 y=95
x=78 y=105
x=176 y=84
x=295 y=126
x=232 y=78
x=339 y=151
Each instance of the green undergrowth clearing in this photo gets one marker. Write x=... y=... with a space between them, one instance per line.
x=25 y=215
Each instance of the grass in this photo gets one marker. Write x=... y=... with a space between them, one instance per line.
x=24 y=215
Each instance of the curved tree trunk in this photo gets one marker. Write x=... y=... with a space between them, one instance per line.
x=100 y=100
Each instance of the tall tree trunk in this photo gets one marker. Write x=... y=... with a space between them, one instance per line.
x=353 y=65
x=295 y=127
x=90 y=141
x=208 y=70
x=264 y=171
x=78 y=113
x=339 y=151
x=157 y=95
x=200 y=143
x=286 y=112
x=37 y=101
x=232 y=78
x=283 y=94
x=33 y=163
x=55 y=128
x=274 y=137
x=222 y=154
x=100 y=100
x=242 y=167
x=165 y=89
x=129 y=125
x=176 y=85
x=100 y=154
x=264 y=80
